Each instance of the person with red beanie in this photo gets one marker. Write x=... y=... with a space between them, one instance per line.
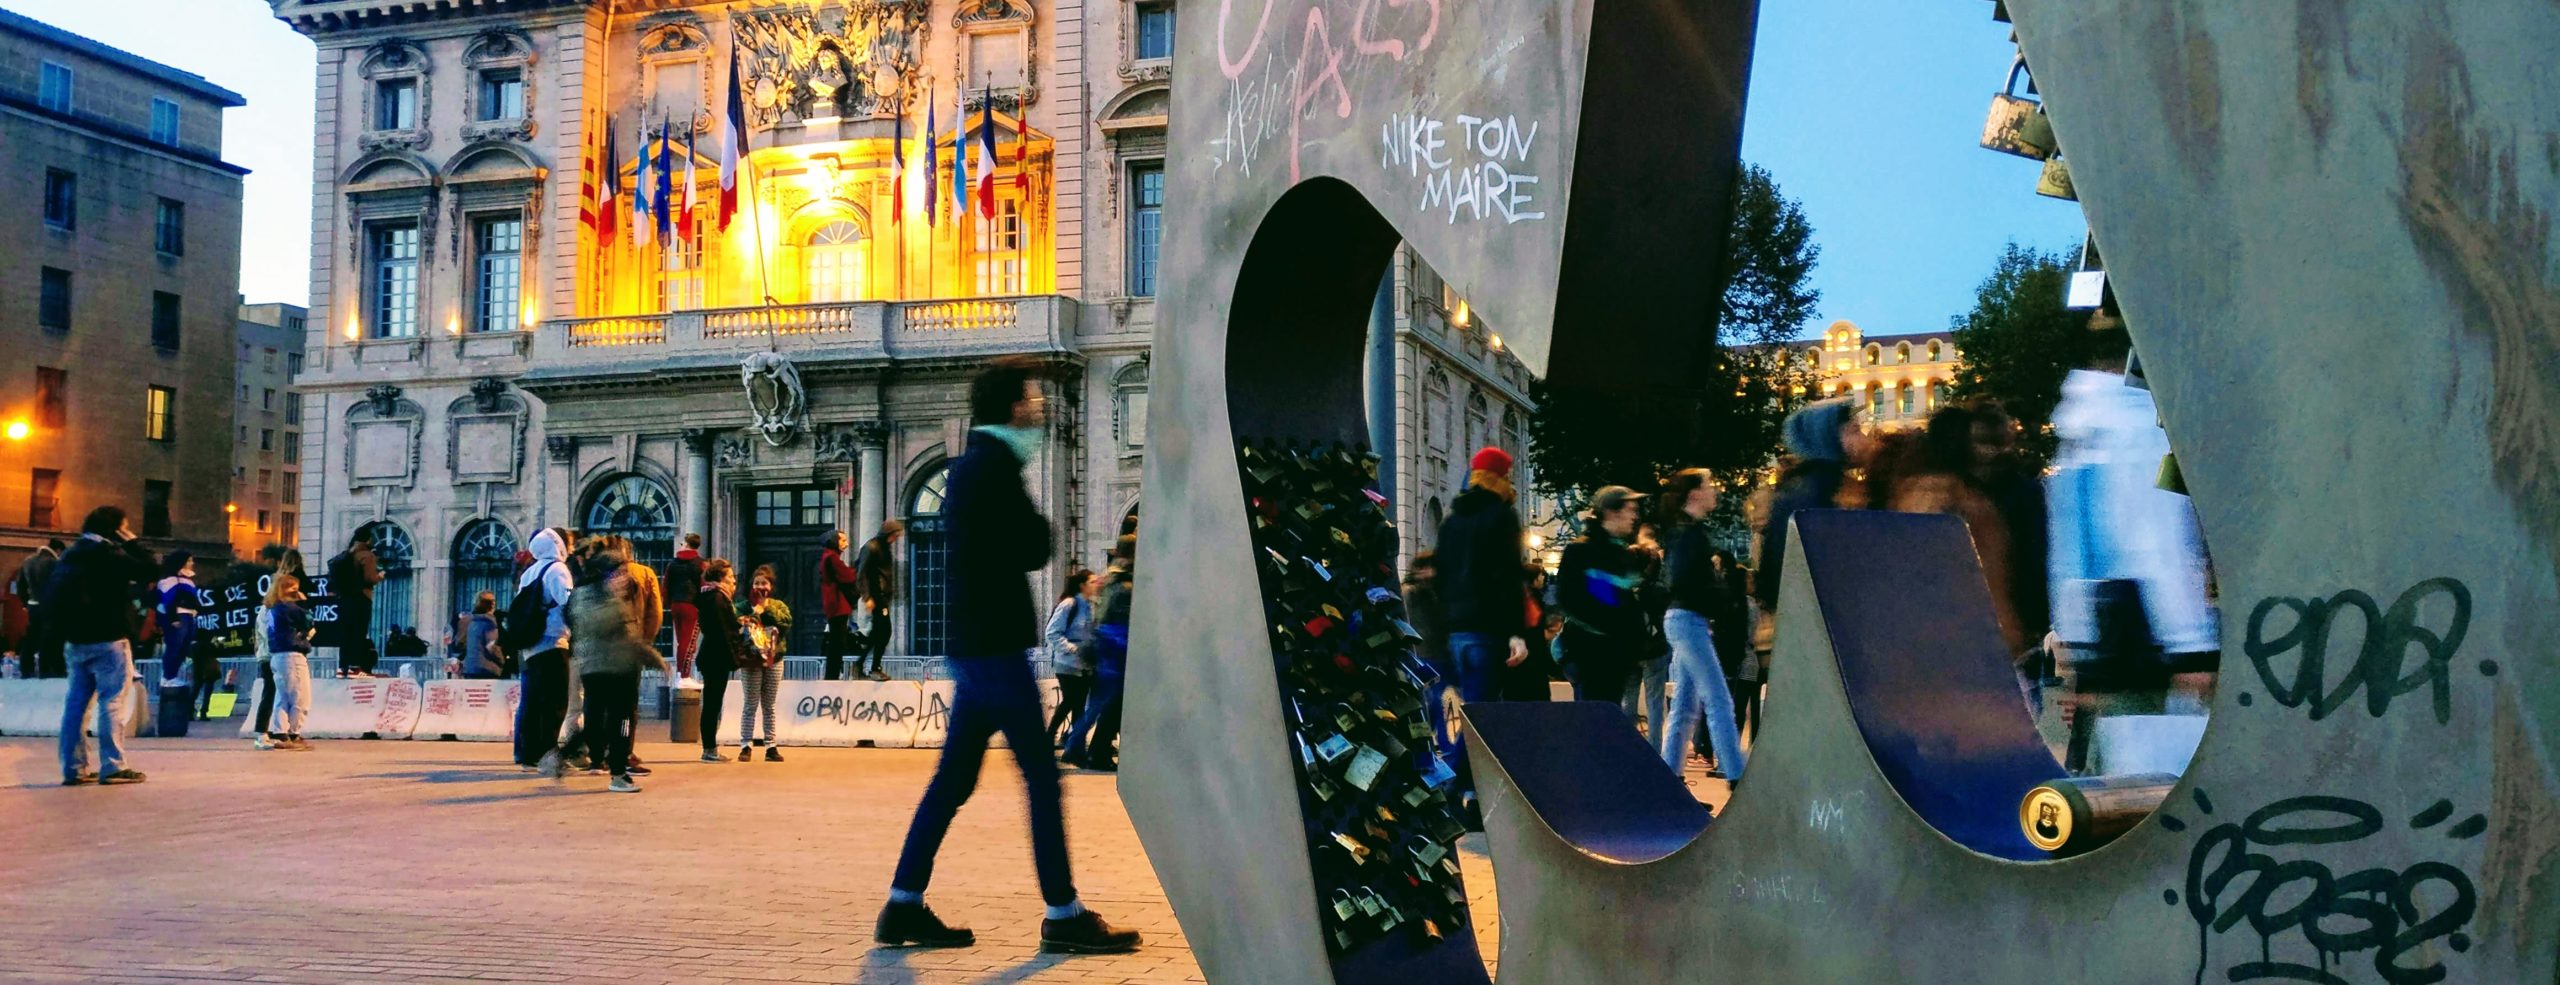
x=1484 y=590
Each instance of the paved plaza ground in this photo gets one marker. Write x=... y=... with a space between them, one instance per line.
x=439 y=862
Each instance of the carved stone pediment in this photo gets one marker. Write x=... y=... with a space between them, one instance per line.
x=804 y=63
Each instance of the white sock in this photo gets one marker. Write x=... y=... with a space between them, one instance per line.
x=1073 y=909
x=904 y=897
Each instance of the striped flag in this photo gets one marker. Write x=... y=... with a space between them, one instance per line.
x=684 y=212
x=898 y=161
x=733 y=146
x=608 y=217
x=643 y=222
x=587 y=175
x=960 y=158
x=1022 y=154
x=987 y=157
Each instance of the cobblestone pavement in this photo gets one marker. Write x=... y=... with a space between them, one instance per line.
x=438 y=862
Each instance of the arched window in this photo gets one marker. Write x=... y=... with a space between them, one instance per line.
x=484 y=560
x=395 y=600
x=1936 y=350
x=1902 y=352
x=1129 y=405
x=929 y=566
x=1875 y=400
x=831 y=262
x=1813 y=357
x=1903 y=394
x=1875 y=354
x=637 y=508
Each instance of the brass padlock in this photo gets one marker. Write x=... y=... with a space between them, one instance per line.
x=2055 y=182
x=2017 y=124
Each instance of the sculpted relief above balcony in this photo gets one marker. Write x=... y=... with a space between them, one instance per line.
x=851 y=61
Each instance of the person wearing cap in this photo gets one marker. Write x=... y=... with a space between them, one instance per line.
x=1597 y=586
x=1484 y=590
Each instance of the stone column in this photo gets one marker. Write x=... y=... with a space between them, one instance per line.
x=872 y=437
x=560 y=500
x=694 y=510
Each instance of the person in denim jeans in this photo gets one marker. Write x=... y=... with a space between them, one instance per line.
x=1484 y=593
x=1697 y=677
x=91 y=594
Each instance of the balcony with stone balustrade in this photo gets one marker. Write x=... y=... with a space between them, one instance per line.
x=906 y=331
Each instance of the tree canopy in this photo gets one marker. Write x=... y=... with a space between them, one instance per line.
x=2019 y=341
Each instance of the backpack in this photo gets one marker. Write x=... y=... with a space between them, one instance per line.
x=527 y=615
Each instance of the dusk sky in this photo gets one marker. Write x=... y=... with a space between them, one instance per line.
x=1865 y=110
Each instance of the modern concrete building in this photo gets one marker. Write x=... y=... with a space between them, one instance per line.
x=266 y=441
x=498 y=344
x=116 y=292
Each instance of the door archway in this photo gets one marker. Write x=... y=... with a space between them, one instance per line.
x=929 y=565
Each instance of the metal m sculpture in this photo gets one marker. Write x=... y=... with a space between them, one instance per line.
x=2329 y=226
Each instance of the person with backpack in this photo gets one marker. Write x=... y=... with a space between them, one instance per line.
x=723 y=645
x=837 y=588
x=90 y=595
x=1094 y=743
x=1069 y=636
x=352 y=576
x=287 y=629
x=537 y=627
x=173 y=608
x=768 y=626
x=683 y=582
x=877 y=569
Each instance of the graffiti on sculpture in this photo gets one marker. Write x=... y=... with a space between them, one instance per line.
x=2272 y=871
x=2304 y=629
x=1466 y=167
x=1281 y=88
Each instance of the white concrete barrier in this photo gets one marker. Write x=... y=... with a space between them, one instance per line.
x=34 y=707
x=351 y=708
x=834 y=713
x=472 y=711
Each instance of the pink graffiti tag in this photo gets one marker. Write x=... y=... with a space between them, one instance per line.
x=1235 y=68
x=1391 y=47
x=1316 y=36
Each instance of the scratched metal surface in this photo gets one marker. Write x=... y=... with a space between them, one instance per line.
x=2329 y=223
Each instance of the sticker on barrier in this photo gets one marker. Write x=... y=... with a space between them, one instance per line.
x=471 y=711
x=350 y=708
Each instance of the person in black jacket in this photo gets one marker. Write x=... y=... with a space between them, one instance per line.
x=998 y=537
x=1697 y=670
x=1484 y=590
x=1826 y=439
x=722 y=641
x=91 y=600
x=1605 y=630
x=877 y=569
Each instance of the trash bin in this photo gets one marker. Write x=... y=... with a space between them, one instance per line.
x=177 y=706
x=684 y=714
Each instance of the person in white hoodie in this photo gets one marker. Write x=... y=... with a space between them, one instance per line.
x=2131 y=616
x=544 y=694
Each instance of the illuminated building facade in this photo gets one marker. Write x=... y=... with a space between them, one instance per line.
x=1896 y=379
x=496 y=348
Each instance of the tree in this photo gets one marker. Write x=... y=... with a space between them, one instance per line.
x=1583 y=440
x=2019 y=341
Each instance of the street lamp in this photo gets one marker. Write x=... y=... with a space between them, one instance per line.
x=17 y=430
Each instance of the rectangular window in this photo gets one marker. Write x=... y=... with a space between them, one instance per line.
x=292 y=488
x=169 y=230
x=293 y=363
x=292 y=447
x=393 y=252
x=1155 y=30
x=502 y=95
x=61 y=199
x=1902 y=397
x=395 y=105
x=44 y=488
x=53 y=301
x=266 y=479
x=160 y=414
x=268 y=361
x=500 y=274
x=1146 y=226
x=53 y=90
x=164 y=321
x=244 y=393
x=679 y=270
x=1000 y=270
x=266 y=439
x=155 y=507
x=53 y=396
x=286 y=524
x=264 y=522
x=164 y=122
x=244 y=435
x=267 y=399
x=293 y=408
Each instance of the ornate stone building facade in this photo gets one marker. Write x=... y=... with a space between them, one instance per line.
x=1896 y=379
x=494 y=347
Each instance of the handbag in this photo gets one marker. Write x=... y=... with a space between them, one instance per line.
x=2017 y=125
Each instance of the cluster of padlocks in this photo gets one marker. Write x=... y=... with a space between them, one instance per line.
x=1372 y=784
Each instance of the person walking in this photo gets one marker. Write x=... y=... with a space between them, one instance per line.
x=1069 y=637
x=997 y=537
x=2015 y=487
x=40 y=650
x=1528 y=680
x=482 y=658
x=287 y=629
x=837 y=588
x=1826 y=438
x=1604 y=622
x=723 y=646
x=1094 y=743
x=1483 y=586
x=1648 y=691
x=878 y=570
x=1697 y=671
x=1731 y=623
x=90 y=594
x=174 y=602
x=614 y=614
x=1941 y=476
x=543 y=701
x=352 y=577
x=683 y=583
x=768 y=625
